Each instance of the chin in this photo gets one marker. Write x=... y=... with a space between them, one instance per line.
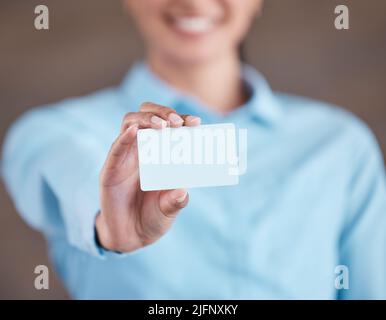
x=195 y=56
x=193 y=52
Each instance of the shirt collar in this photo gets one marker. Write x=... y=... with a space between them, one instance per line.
x=263 y=103
x=141 y=84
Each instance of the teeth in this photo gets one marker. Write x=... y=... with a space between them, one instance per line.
x=194 y=24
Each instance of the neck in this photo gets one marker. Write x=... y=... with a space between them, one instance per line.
x=217 y=84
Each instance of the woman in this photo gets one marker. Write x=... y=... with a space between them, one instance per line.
x=313 y=198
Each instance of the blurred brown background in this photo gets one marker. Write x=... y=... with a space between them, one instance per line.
x=91 y=44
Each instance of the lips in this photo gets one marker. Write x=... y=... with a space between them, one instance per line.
x=194 y=25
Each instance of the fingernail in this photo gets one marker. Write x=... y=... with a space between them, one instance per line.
x=193 y=119
x=182 y=198
x=175 y=119
x=158 y=121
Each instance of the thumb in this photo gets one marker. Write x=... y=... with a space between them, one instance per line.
x=171 y=201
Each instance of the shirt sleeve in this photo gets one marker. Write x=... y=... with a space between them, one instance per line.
x=363 y=240
x=51 y=169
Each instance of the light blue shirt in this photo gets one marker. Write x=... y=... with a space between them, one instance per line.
x=313 y=199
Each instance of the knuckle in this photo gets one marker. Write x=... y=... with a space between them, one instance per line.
x=128 y=120
x=171 y=212
x=129 y=115
x=147 y=117
x=145 y=105
x=168 y=110
x=112 y=147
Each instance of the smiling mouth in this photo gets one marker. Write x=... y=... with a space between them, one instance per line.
x=192 y=25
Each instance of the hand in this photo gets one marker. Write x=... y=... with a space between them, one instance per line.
x=129 y=217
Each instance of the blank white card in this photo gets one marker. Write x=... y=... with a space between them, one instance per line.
x=188 y=157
